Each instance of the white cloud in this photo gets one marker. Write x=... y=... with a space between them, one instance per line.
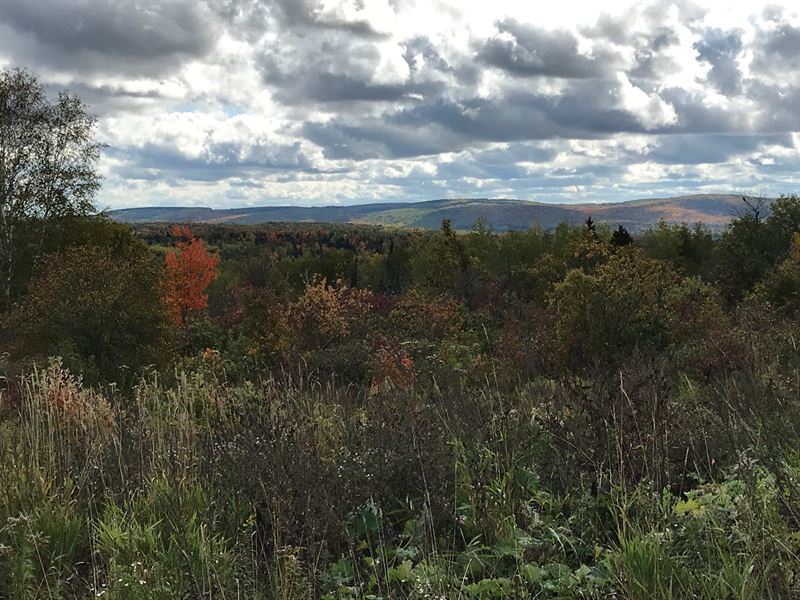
x=355 y=100
x=650 y=109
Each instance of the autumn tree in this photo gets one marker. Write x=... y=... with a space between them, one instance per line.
x=48 y=157
x=189 y=271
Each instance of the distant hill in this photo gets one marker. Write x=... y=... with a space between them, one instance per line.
x=713 y=210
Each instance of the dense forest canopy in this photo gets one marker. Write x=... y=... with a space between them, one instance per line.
x=341 y=411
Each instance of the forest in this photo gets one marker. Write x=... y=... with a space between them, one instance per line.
x=332 y=411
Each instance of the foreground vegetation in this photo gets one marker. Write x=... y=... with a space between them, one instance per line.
x=296 y=488
x=532 y=415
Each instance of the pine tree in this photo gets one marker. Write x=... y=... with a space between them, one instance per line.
x=621 y=237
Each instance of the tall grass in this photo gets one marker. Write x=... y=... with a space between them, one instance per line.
x=299 y=488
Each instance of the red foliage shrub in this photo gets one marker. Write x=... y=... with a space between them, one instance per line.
x=189 y=271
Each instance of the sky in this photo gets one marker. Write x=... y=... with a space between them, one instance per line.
x=233 y=103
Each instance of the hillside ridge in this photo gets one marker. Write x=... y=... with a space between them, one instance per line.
x=713 y=210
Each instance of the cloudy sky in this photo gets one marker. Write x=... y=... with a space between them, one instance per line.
x=237 y=102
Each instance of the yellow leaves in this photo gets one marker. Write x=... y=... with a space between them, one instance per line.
x=327 y=314
x=319 y=313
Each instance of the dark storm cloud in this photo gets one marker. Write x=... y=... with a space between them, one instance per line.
x=519 y=116
x=250 y=19
x=713 y=148
x=531 y=51
x=104 y=100
x=696 y=116
x=308 y=13
x=464 y=72
x=785 y=43
x=328 y=87
x=376 y=139
x=779 y=52
x=217 y=161
x=132 y=37
x=444 y=125
x=721 y=49
x=529 y=152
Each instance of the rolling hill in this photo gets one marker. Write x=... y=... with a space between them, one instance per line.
x=713 y=210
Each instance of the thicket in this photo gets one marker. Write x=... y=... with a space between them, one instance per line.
x=351 y=412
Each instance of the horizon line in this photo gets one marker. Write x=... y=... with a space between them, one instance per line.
x=464 y=198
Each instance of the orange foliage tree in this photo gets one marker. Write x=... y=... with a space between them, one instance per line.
x=189 y=271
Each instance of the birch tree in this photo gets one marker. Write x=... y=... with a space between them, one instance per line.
x=48 y=158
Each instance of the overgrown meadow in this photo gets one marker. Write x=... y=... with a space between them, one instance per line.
x=311 y=411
